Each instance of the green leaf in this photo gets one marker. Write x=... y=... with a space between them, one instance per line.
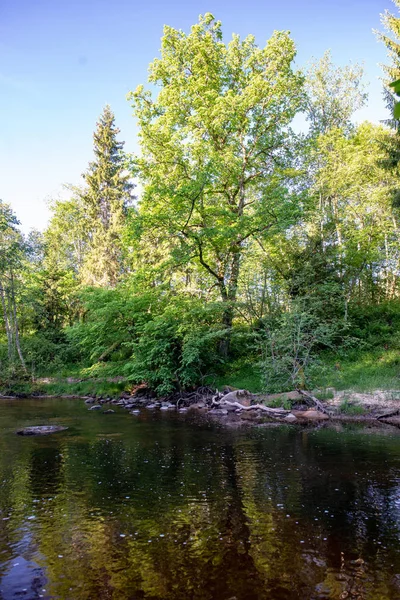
x=396 y=111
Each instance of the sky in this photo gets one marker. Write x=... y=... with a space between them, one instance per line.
x=61 y=61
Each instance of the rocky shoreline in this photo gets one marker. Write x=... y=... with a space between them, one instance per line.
x=236 y=407
x=240 y=406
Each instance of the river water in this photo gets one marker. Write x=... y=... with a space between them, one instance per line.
x=166 y=507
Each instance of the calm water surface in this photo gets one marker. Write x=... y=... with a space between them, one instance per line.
x=168 y=507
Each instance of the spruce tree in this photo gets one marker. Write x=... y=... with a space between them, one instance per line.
x=391 y=39
x=391 y=145
x=107 y=195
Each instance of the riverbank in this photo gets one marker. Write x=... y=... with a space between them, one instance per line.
x=235 y=407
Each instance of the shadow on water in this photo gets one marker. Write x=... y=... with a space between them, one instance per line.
x=172 y=507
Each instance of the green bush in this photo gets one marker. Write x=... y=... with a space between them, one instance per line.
x=293 y=340
x=347 y=408
x=170 y=342
x=376 y=325
x=48 y=352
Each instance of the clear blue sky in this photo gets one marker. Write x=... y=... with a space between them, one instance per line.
x=62 y=60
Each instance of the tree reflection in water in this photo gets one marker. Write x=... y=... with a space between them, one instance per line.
x=171 y=507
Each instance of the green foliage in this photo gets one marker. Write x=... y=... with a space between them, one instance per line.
x=254 y=257
x=169 y=342
x=282 y=402
x=333 y=95
x=347 y=408
x=177 y=349
x=216 y=153
x=47 y=352
x=376 y=325
x=324 y=394
x=293 y=340
x=106 y=197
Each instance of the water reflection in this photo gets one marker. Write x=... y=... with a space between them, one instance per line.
x=169 y=507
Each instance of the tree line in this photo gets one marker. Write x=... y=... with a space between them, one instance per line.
x=231 y=237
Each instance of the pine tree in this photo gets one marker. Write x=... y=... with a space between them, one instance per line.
x=391 y=39
x=391 y=145
x=107 y=195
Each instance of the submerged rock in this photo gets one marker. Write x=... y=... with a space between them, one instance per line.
x=110 y=411
x=41 y=430
x=96 y=407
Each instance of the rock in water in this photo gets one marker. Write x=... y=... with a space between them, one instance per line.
x=41 y=430
x=95 y=407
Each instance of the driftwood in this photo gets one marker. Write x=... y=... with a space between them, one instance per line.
x=315 y=401
x=273 y=412
x=389 y=414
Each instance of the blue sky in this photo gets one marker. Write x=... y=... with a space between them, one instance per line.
x=61 y=61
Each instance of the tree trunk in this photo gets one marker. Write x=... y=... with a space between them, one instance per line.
x=6 y=323
x=16 y=331
x=229 y=296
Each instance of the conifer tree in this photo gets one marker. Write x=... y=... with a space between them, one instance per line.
x=107 y=195
x=391 y=39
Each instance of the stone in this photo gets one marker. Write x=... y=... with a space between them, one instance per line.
x=136 y=411
x=197 y=406
x=151 y=406
x=250 y=415
x=291 y=418
x=311 y=415
x=41 y=430
x=243 y=397
x=90 y=400
x=96 y=407
x=110 y=411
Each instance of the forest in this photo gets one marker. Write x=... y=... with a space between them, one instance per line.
x=253 y=240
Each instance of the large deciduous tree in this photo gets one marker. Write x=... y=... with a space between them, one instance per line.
x=215 y=143
x=333 y=95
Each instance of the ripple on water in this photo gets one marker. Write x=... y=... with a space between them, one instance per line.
x=170 y=506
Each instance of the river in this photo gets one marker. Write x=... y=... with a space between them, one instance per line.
x=166 y=506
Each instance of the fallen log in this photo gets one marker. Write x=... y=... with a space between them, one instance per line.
x=315 y=401
x=388 y=414
x=273 y=412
